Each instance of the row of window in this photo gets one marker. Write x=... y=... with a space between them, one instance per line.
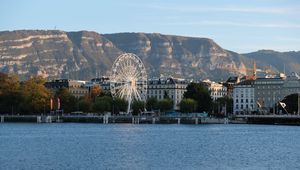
x=268 y=82
x=79 y=92
x=162 y=97
x=218 y=94
x=242 y=95
x=242 y=101
x=165 y=87
x=269 y=92
x=179 y=92
x=218 y=90
x=268 y=87
x=242 y=106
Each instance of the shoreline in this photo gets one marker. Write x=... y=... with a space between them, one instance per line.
x=105 y=119
x=121 y=119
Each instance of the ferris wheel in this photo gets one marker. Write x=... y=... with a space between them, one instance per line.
x=129 y=79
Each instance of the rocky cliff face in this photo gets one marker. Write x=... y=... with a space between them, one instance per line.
x=83 y=55
x=55 y=54
x=180 y=56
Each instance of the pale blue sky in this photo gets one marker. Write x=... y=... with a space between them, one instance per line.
x=241 y=26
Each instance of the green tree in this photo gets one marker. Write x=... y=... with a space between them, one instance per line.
x=188 y=105
x=220 y=103
x=36 y=95
x=68 y=102
x=84 y=105
x=201 y=95
x=137 y=107
x=102 y=104
x=152 y=104
x=165 y=105
x=119 y=105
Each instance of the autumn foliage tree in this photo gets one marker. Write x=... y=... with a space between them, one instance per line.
x=36 y=95
x=95 y=92
x=10 y=94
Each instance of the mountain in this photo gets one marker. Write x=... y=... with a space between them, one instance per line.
x=277 y=61
x=55 y=54
x=180 y=56
x=85 y=54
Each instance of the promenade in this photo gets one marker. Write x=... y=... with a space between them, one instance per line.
x=106 y=119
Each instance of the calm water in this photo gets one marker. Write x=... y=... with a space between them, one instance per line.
x=121 y=146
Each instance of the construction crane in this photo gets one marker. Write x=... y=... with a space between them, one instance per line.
x=254 y=71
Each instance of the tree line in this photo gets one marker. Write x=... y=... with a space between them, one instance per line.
x=32 y=97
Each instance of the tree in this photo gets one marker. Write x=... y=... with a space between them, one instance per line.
x=188 y=105
x=165 y=105
x=10 y=94
x=95 y=92
x=102 y=104
x=119 y=105
x=152 y=104
x=36 y=95
x=137 y=107
x=68 y=102
x=222 y=102
x=84 y=105
x=200 y=94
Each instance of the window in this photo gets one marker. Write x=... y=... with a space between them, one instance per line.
x=237 y=106
x=242 y=100
x=242 y=106
x=237 y=100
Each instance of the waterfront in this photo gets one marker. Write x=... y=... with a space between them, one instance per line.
x=129 y=146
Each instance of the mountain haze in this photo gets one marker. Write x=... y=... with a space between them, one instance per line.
x=277 y=61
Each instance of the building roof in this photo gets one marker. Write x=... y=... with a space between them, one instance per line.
x=167 y=81
x=246 y=82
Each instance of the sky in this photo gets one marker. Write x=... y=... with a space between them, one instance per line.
x=238 y=25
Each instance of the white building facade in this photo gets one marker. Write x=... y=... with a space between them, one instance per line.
x=216 y=90
x=243 y=97
x=172 y=87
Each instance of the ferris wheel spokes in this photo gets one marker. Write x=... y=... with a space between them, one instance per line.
x=129 y=78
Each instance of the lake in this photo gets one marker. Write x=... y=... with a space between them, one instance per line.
x=153 y=146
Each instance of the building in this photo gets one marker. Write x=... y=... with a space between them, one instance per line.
x=172 y=87
x=291 y=85
x=216 y=90
x=102 y=81
x=229 y=84
x=267 y=93
x=243 y=97
x=76 y=87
